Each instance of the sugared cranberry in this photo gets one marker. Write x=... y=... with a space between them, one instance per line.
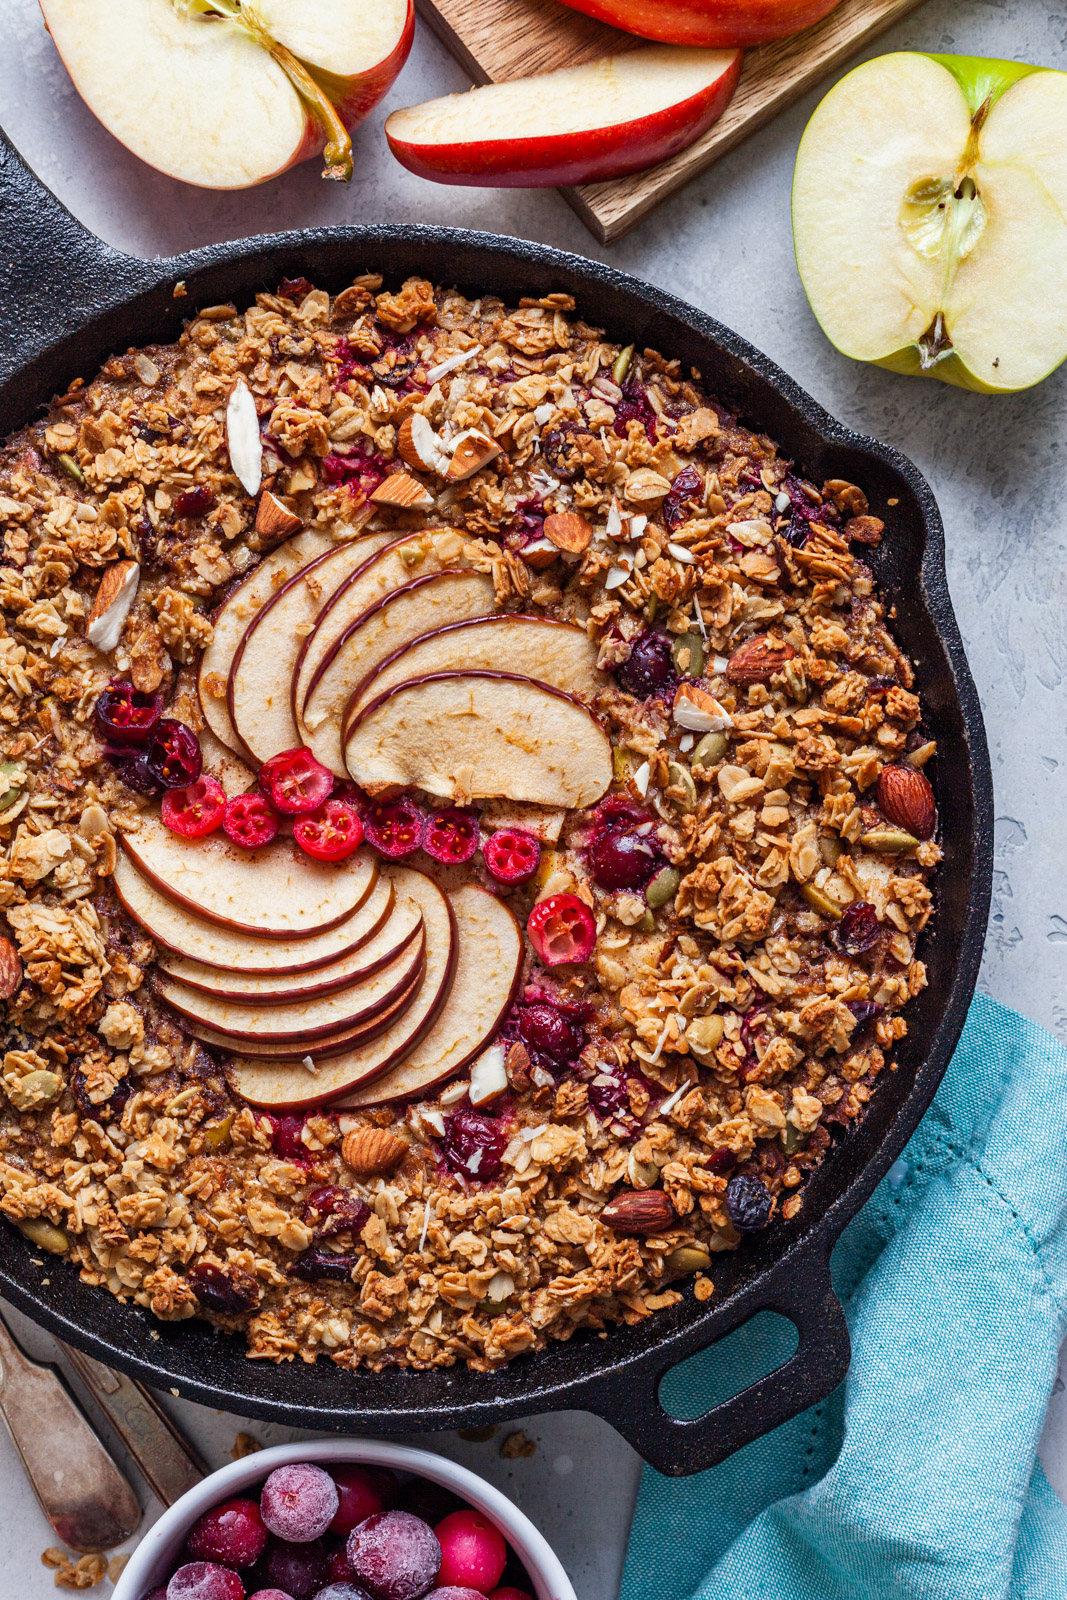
x=340 y=1211
x=361 y=1492
x=473 y=1553
x=511 y=855
x=195 y=810
x=317 y=1265
x=270 y=1594
x=455 y=1591
x=195 y=502
x=126 y=716
x=332 y=832
x=228 y=1292
x=298 y=1502
x=342 y=1589
x=173 y=754
x=510 y=1593
x=685 y=488
x=561 y=928
x=232 y=1534
x=858 y=929
x=546 y=1031
x=648 y=669
x=748 y=1201
x=394 y=830
x=285 y=1138
x=623 y=860
x=249 y=821
x=451 y=836
x=297 y=1569
x=394 y=1555
x=294 y=782
x=205 y=1580
x=473 y=1145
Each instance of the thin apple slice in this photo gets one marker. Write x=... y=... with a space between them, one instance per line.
x=236 y=612
x=332 y=1044
x=261 y=672
x=306 y=1018
x=224 y=764
x=204 y=944
x=581 y=124
x=249 y=988
x=410 y=556
x=277 y=892
x=487 y=975
x=411 y=610
x=481 y=735
x=558 y=654
x=276 y=1084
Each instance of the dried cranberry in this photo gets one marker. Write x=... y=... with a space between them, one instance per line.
x=294 y=782
x=685 y=488
x=451 y=836
x=561 y=928
x=530 y=516
x=635 y=407
x=99 y=1110
x=720 y=1160
x=196 y=502
x=748 y=1202
x=173 y=755
x=607 y=1094
x=622 y=860
x=126 y=716
x=473 y=1145
x=864 y=1011
x=195 y=810
x=393 y=370
x=227 y=1291
x=858 y=929
x=316 y=1264
x=546 y=1032
x=395 y=830
x=294 y=288
x=511 y=855
x=562 y=453
x=341 y=1211
x=285 y=1138
x=132 y=767
x=249 y=821
x=361 y=471
x=648 y=669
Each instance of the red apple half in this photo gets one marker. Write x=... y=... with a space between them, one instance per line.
x=708 y=23
x=576 y=125
x=212 y=96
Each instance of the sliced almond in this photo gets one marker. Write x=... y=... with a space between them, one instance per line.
x=403 y=492
x=274 y=520
x=419 y=446
x=242 y=437
x=115 y=596
x=470 y=453
x=568 y=531
x=489 y=1078
x=695 y=708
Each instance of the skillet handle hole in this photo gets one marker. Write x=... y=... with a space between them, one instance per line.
x=703 y=1381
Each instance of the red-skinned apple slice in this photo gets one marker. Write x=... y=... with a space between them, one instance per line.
x=407 y=612
x=205 y=944
x=304 y=1019
x=280 y=1085
x=257 y=689
x=707 y=23
x=213 y=99
x=410 y=556
x=274 y=892
x=224 y=764
x=487 y=975
x=579 y=124
x=486 y=735
x=329 y=1045
x=247 y=988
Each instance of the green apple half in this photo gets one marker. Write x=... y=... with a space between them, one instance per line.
x=930 y=218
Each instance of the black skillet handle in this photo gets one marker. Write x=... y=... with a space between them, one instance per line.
x=629 y=1400
x=54 y=274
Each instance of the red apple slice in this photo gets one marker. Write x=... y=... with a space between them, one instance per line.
x=232 y=618
x=558 y=654
x=276 y=892
x=306 y=1018
x=248 y=988
x=404 y=614
x=333 y=1044
x=224 y=764
x=484 y=735
x=208 y=99
x=708 y=23
x=487 y=976
x=279 y=1085
x=205 y=944
x=260 y=676
x=576 y=125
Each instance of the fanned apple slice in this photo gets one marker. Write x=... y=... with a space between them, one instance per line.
x=204 y=944
x=267 y=988
x=272 y=1083
x=487 y=974
x=303 y=1019
x=233 y=616
x=558 y=654
x=411 y=610
x=275 y=892
x=410 y=556
x=224 y=764
x=332 y=1044
x=258 y=688
x=484 y=735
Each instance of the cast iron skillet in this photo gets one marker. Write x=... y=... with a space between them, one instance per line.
x=67 y=302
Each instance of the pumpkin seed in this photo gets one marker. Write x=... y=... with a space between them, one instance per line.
x=9 y=790
x=45 y=1235
x=35 y=1089
x=689 y=1258
x=664 y=886
x=705 y=1036
x=71 y=468
x=687 y=653
x=792 y=1138
x=830 y=848
x=620 y=763
x=641 y=1174
x=820 y=902
x=681 y=779
x=622 y=364
x=710 y=751
x=889 y=841
x=647 y=923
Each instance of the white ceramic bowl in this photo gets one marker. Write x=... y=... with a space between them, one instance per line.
x=157 y=1554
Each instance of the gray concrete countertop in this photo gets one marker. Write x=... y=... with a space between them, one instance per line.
x=996 y=464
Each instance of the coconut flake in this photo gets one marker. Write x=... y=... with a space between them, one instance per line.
x=501 y=1287
x=680 y=553
x=451 y=362
x=672 y=1100
x=543 y=413
x=698 y=617
x=242 y=437
x=425 y=1226
x=309 y=1065
x=686 y=742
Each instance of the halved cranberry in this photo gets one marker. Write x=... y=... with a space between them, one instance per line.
x=562 y=928
x=474 y=1145
x=249 y=821
x=623 y=860
x=395 y=830
x=294 y=782
x=126 y=716
x=451 y=836
x=649 y=668
x=196 y=502
x=340 y=1210
x=858 y=929
x=331 y=833
x=547 y=1032
x=511 y=855
x=195 y=810
x=173 y=754
x=686 y=486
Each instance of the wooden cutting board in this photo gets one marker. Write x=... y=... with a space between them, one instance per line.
x=500 y=39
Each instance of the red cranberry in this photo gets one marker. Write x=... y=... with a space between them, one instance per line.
x=455 y=1591
x=607 y=1094
x=361 y=1491
x=196 y=502
x=270 y=1594
x=232 y=1534
x=158 y=1593
x=858 y=929
x=296 y=1569
x=508 y=1592
x=685 y=488
x=635 y=406
x=343 y=1589
x=428 y=1501
x=340 y=1211
x=473 y=1145
x=720 y=1160
x=294 y=782
x=173 y=754
x=294 y=288
x=331 y=833
x=285 y=1138
x=623 y=860
x=649 y=668
x=339 y=1570
x=544 y=1029
x=618 y=811
x=473 y=1553
x=511 y=855
x=561 y=929
x=132 y=767
x=125 y=716
x=451 y=836
x=298 y=1502
x=249 y=821
x=195 y=810
x=394 y=1556
x=204 y=1580
x=394 y=830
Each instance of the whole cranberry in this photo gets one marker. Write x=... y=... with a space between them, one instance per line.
x=204 y=1580
x=623 y=860
x=296 y=1569
x=455 y=1591
x=232 y=1534
x=268 y=1594
x=473 y=1145
x=508 y=1592
x=545 y=1030
x=394 y=1555
x=298 y=1502
x=361 y=1491
x=342 y=1590
x=430 y=1502
x=473 y=1552
x=649 y=668
x=339 y=1571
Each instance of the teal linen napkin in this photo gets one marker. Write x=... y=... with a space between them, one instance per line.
x=918 y=1478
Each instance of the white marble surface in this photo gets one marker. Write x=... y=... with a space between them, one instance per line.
x=997 y=466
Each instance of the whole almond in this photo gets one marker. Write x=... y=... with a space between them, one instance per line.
x=274 y=520
x=373 y=1152
x=403 y=493
x=906 y=798
x=10 y=969
x=639 y=1211
x=568 y=531
x=758 y=659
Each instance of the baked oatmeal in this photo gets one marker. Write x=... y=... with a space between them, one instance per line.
x=639 y=762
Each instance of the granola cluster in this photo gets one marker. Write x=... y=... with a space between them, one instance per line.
x=728 y=1023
